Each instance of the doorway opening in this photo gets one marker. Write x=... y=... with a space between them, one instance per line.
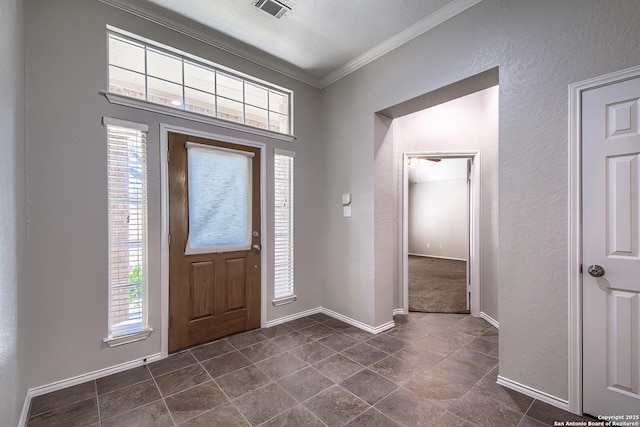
x=455 y=121
x=438 y=230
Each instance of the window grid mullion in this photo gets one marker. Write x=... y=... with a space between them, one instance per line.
x=146 y=75
x=215 y=86
x=184 y=96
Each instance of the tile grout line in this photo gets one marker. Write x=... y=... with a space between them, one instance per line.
x=308 y=365
x=30 y=415
x=95 y=385
x=446 y=357
x=162 y=397
x=523 y=414
x=530 y=406
x=120 y=388
x=229 y=400
x=173 y=370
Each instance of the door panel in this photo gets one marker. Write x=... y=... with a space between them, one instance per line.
x=214 y=275
x=623 y=325
x=611 y=233
x=201 y=288
x=622 y=194
x=235 y=280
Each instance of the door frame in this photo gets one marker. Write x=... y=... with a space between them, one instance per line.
x=474 y=224
x=164 y=238
x=575 y=226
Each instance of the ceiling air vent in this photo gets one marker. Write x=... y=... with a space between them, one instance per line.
x=272 y=7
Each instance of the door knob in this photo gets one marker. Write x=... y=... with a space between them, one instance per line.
x=596 y=270
x=256 y=247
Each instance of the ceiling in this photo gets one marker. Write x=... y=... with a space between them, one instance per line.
x=423 y=170
x=317 y=41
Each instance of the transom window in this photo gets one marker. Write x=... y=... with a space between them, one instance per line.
x=149 y=73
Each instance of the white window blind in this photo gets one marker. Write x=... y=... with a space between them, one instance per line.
x=219 y=199
x=283 y=183
x=127 y=213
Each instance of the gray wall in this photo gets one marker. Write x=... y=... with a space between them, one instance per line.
x=66 y=289
x=540 y=47
x=467 y=124
x=438 y=219
x=12 y=197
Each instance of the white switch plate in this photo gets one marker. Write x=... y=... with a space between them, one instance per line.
x=346 y=211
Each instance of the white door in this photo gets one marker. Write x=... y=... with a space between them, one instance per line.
x=611 y=237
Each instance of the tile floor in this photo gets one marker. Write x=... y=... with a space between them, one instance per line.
x=431 y=369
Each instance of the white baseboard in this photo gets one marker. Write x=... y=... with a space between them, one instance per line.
x=357 y=323
x=25 y=410
x=438 y=257
x=291 y=317
x=399 y=311
x=532 y=392
x=338 y=316
x=59 y=385
x=490 y=319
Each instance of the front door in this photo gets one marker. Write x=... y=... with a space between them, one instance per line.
x=214 y=240
x=611 y=251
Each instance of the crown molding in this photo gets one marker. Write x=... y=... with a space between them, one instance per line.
x=220 y=41
x=441 y=15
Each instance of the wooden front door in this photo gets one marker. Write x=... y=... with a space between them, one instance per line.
x=214 y=240
x=611 y=250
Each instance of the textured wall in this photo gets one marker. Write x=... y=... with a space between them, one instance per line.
x=67 y=251
x=438 y=218
x=12 y=196
x=540 y=48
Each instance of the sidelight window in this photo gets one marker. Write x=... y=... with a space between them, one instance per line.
x=283 y=213
x=127 y=220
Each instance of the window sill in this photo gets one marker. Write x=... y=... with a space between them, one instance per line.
x=283 y=301
x=129 y=338
x=116 y=99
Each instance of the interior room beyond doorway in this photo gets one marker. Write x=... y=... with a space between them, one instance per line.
x=438 y=234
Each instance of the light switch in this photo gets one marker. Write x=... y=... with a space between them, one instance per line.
x=346 y=211
x=346 y=199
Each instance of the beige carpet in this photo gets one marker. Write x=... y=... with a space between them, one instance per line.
x=437 y=285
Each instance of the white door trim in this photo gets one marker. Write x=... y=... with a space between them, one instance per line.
x=474 y=224
x=164 y=239
x=575 y=227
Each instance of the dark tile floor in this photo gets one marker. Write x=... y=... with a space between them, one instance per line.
x=431 y=369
